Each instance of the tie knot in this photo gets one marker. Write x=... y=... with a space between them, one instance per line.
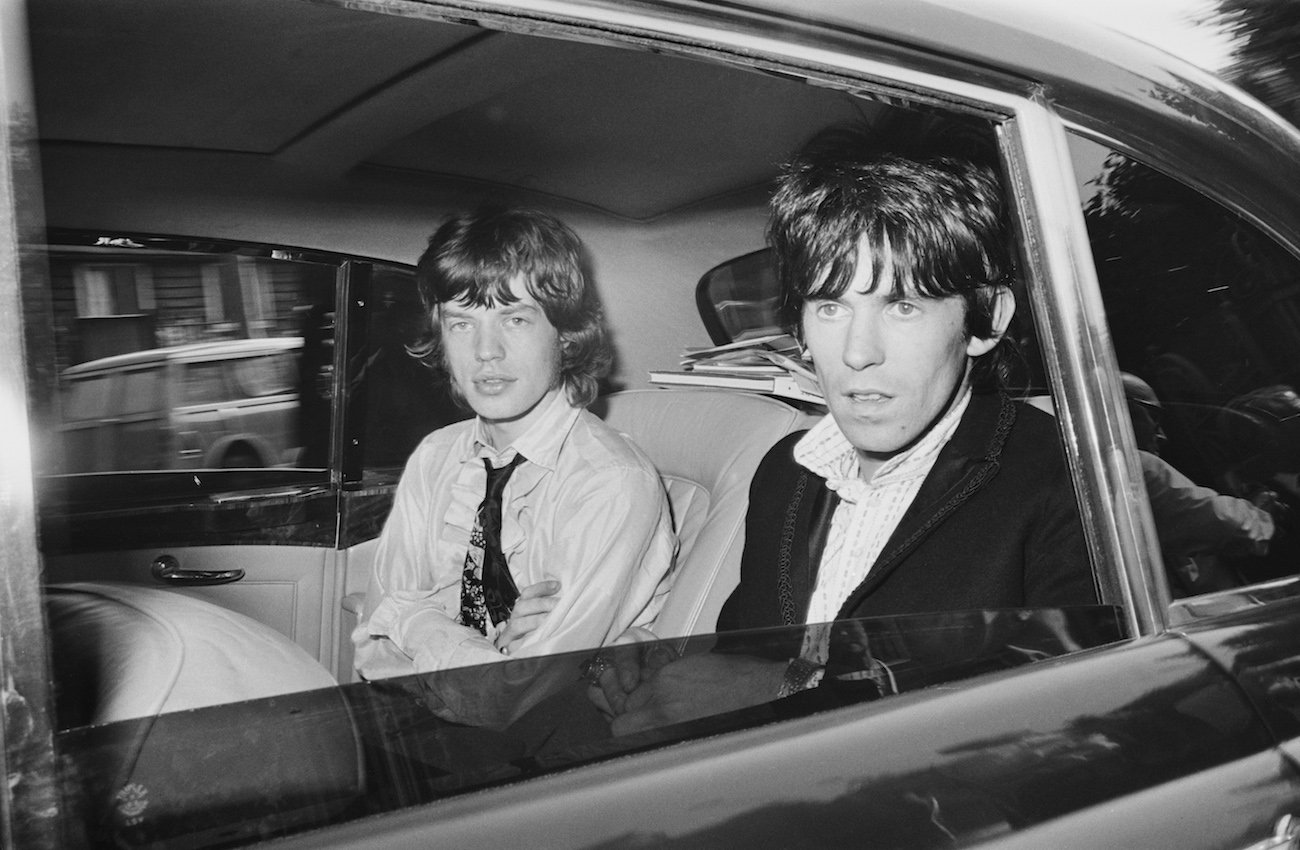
x=498 y=476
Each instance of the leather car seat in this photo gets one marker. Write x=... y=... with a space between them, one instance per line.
x=706 y=444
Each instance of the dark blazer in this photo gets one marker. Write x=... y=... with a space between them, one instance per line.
x=994 y=525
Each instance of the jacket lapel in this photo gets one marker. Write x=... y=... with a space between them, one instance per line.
x=816 y=527
x=968 y=461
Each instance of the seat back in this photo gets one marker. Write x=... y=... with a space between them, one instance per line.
x=706 y=444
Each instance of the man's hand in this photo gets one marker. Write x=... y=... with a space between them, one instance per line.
x=531 y=608
x=698 y=686
x=622 y=668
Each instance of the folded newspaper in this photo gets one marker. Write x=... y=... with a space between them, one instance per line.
x=768 y=364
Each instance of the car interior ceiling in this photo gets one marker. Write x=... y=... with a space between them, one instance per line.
x=566 y=119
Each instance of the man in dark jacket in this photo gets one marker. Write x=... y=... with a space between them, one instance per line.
x=927 y=488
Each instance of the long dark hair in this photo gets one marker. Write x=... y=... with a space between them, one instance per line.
x=937 y=222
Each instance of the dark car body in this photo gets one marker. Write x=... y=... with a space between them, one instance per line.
x=229 y=147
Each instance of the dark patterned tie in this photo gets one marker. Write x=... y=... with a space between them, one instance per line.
x=487 y=588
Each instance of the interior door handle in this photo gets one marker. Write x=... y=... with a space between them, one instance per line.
x=167 y=570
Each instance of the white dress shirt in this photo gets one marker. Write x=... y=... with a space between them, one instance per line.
x=586 y=508
x=868 y=511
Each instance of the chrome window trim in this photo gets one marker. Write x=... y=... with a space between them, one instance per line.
x=1085 y=373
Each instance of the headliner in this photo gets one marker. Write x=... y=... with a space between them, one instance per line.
x=330 y=90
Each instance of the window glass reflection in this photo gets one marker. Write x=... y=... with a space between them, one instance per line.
x=395 y=399
x=145 y=333
x=302 y=760
x=1204 y=311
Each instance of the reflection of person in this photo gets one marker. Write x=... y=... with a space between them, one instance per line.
x=1192 y=520
x=582 y=519
x=926 y=489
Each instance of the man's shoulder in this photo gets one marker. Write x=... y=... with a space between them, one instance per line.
x=593 y=444
x=1034 y=429
x=779 y=474
x=436 y=444
x=781 y=455
x=1030 y=448
x=996 y=423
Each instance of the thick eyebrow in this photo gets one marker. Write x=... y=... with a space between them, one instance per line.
x=448 y=312
x=521 y=307
x=445 y=312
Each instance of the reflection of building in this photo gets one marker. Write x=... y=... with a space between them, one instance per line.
x=113 y=300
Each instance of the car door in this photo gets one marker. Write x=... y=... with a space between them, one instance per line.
x=173 y=510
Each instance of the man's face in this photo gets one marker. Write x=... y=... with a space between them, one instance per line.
x=889 y=367
x=504 y=360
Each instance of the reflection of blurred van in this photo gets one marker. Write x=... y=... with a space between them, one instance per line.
x=214 y=404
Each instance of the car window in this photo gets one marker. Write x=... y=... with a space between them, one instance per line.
x=84 y=398
x=1202 y=311
x=169 y=326
x=142 y=391
x=203 y=383
x=395 y=399
x=268 y=374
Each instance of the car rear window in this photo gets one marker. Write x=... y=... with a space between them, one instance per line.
x=142 y=391
x=87 y=398
x=269 y=374
x=203 y=383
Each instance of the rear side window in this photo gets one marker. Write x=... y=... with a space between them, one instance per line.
x=271 y=374
x=1201 y=307
x=203 y=383
x=85 y=398
x=142 y=391
x=165 y=324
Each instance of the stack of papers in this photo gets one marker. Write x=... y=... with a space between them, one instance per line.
x=767 y=364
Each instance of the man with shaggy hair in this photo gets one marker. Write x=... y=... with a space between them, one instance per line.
x=532 y=528
x=927 y=488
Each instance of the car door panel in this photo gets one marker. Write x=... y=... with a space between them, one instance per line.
x=1258 y=646
x=1234 y=806
x=289 y=588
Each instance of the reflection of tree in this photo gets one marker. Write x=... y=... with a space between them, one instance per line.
x=1200 y=305
x=1266 y=52
x=1170 y=263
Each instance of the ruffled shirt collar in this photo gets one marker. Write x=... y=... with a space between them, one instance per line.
x=541 y=443
x=826 y=452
